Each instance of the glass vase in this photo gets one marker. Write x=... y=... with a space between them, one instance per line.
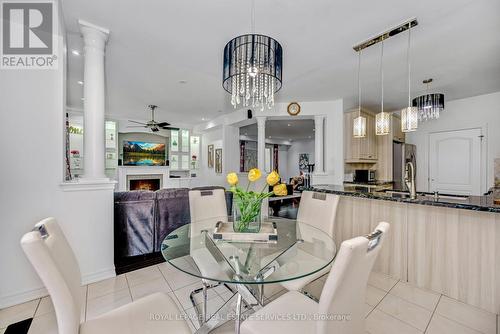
x=247 y=215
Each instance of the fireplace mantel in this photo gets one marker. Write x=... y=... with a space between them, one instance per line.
x=123 y=171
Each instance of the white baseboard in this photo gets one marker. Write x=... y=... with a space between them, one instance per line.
x=98 y=275
x=25 y=296
x=22 y=297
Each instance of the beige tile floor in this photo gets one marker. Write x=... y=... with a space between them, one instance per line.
x=392 y=307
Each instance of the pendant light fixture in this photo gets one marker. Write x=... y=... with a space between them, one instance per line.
x=359 y=126
x=382 y=119
x=429 y=105
x=409 y=115
x=252 y=70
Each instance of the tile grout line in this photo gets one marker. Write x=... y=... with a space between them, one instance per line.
x=390 y=315
x=440 y=295
x=166 y=280
x=385 y=295
x=37 y=306
x=411 y=302
x=86 y=299
x=128 y=286
x=432 y=315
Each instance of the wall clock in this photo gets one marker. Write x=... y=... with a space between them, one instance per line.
x=293 y=109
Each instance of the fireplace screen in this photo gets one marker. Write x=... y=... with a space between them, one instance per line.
x=144 y=182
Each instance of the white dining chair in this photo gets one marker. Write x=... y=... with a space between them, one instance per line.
x=206 y=208
x=53 y=259
x=318 y=210
x=341 y=306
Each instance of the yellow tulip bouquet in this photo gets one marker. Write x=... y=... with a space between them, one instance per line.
x=247 y=203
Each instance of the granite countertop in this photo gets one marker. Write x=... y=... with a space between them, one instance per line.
x=476 y=203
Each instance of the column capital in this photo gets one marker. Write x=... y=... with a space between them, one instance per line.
x=93 y=36
x=261 y=120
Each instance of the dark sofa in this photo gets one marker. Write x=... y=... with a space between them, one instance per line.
x=142 y=219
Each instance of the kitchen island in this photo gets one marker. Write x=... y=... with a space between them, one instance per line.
x=447 y=244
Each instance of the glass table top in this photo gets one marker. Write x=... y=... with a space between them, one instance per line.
x=301 y=250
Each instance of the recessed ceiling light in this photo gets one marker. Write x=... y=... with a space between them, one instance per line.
x=309 y=137
x=182 y=81
x=83 y=99
x=75 y=52
x=80 y=82
x=203 y=118
x=269 y=136
x=289 y=124
x=246 y=134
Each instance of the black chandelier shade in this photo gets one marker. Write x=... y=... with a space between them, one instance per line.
x=252 y=70
x=429 y=105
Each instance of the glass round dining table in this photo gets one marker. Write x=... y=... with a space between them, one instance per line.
x=301 y=250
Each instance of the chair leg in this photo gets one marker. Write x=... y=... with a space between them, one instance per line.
x=238 y=315
x=204 y=312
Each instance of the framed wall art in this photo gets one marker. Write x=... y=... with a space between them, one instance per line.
x=218 y=160
x=210 y=152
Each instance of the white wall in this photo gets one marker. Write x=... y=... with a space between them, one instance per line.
x=481 y=111
x=298 y=147
x=32 y=106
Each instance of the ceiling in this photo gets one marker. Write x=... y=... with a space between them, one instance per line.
x=169 y=53
x=283 y=130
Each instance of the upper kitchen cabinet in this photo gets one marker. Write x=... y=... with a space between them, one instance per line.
x=360 y=150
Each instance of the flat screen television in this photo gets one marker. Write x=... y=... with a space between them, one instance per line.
x=138 y=153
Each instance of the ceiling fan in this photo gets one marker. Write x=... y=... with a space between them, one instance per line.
x=153 y=125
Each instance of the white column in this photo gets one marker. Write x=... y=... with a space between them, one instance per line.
x=261 y=142
x=319 y=167
x=94 y=39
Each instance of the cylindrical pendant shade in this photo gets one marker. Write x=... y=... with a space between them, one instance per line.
x=359 y=129
x=409 y=119
x=252 y=70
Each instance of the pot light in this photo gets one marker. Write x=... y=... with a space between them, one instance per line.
x=80 y=82
x=75 y=52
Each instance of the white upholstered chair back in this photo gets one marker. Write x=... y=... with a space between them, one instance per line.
x=345 y=287
x=53 y=259
x=319 y=210
x=207 y=204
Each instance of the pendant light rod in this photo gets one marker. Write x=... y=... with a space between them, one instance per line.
x=252 y=17
x=382 y=76
x=359 y=83
x=387 y=34
x=409 y=65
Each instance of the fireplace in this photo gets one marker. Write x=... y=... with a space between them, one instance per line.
x=145 y=182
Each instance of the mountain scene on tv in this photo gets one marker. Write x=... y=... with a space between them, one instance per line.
x=137 y=153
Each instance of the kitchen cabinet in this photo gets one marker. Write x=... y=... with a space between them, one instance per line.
x=358 y=150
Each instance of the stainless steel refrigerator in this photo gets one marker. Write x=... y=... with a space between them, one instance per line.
x=401 y=154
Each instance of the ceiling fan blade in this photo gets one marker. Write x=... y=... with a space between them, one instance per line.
x=162 y=124
x=137 y=126
x=137 y=122
x=169 y=128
